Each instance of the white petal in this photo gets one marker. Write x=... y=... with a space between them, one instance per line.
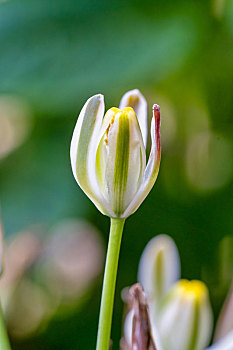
x=159 y=268
x=136 y=163
x=137 y=101
x=156 y=336
x=83 y=150
x=174 y=326
x=152 y=168
x=205 y=326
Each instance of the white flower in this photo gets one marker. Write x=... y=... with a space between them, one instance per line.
x=108 y=153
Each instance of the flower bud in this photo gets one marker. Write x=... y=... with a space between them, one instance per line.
x=185 y=318
x=108 y=155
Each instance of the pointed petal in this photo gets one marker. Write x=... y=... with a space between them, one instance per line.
x=137 y=101
x=159 y=268
x=225 y=343
x=152 y=168
x=83 y=150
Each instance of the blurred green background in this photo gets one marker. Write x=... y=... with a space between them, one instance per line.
x=55 y=55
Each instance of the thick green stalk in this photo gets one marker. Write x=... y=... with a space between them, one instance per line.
x=110 y=273
x=4 y=341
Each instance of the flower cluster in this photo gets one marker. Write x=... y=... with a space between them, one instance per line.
x=179 y=311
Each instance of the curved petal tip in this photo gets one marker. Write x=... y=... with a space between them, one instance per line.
x=156 y=108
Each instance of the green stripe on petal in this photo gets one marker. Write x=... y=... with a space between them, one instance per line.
x=159 y=269
x=120 y=158
x=121 y=164
x=159 y=278
x=195 y=325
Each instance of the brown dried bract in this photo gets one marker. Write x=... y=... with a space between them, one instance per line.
x=141 y=332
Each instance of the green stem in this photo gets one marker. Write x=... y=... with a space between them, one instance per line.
x=4 y=341
x=105 y=318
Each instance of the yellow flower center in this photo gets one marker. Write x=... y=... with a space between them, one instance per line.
x=193 y=289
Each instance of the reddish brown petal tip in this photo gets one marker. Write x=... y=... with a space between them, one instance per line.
x=156 y=112
x=156 y=108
